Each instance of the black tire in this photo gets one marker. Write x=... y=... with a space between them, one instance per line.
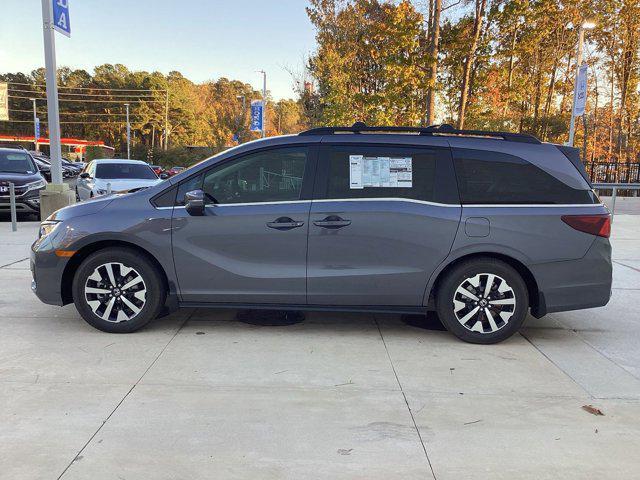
x=469 y=269
x=152 y=282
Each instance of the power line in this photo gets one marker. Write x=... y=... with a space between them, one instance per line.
x=92 y=101
x=44 y=113
x=132 y=95
x=71 y=122
x=92 y=88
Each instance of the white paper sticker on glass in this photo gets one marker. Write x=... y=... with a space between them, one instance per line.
x=355 y=171
x=385 y=172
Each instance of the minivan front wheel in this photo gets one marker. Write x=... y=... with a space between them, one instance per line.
x=482 y=300
x=117 y=290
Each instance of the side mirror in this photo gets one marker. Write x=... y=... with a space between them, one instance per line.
x=85 y=175
x=194 y=202
x=164 y=176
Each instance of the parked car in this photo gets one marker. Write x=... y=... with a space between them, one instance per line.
x=118 y=175
x=19 y=168
x=482 y=227
x=175 y=170
x=43 y=167
x=74 y=168
x=68 y=170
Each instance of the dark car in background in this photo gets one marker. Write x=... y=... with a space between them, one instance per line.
x=69 y=169
x=19 y=168
x=43 y=167
x=482 y=227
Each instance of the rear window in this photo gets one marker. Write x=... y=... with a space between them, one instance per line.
x=17 y=162
x=124 y=170
x=486 y=177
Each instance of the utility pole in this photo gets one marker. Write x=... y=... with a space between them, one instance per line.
x=53 y=110
x=242 y=115
x=128 y=133
x=35 y=125
x=166 y=120
x=586 y=25
x=264 y=103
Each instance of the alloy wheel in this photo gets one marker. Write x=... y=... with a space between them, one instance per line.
x=484 y=303
x=115 y=292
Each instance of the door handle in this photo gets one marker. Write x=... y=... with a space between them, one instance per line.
x=332 y=221
x=284 y=223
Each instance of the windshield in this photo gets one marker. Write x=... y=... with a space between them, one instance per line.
x=125 y=170
x=16 y=162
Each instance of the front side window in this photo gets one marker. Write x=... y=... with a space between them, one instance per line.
x=268 y=176
x=381 y=172
x=486 y=177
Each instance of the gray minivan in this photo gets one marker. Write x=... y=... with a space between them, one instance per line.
x=481 y=226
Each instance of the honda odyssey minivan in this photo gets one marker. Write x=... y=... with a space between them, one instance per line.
x=483 y=227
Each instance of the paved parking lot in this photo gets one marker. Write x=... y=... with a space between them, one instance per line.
x=202 y=395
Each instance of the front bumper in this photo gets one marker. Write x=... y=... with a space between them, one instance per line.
x=47 y=270
x=27 y=203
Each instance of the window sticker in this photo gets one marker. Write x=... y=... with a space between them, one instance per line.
x=379 y=172
x=355 y=171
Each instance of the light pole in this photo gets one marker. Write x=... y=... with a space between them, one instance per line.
x=264 y=102
x=241 y=119
x=586 y=25
x=53 y=110
x=128 y=133
x=35 y=124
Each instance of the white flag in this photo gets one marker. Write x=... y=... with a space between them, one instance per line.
x=581 y=91
x=4 y=101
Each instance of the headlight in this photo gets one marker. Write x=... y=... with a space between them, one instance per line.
x=47 y=227
x=36 y=185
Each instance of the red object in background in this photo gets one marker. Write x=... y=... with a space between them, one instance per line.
x=174 y=171
x=157 y=169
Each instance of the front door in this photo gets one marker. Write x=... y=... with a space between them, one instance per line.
x=383 y=218
x=251 y=244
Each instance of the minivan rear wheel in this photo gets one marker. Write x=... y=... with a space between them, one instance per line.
x=117 y=290
x=482 y=300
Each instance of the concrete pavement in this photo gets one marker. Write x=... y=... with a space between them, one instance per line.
x=201 y=395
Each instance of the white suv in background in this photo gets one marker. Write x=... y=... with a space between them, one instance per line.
x=102 y=176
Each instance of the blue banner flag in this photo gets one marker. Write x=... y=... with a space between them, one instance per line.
x=257 y=117
x=61 y=17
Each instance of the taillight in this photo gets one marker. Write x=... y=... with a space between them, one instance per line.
x=599 y=225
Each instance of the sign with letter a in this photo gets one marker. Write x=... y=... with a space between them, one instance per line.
x=61 y=17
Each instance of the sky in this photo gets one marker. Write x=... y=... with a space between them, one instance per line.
x=202 y=39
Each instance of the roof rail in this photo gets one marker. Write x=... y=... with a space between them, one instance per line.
x=433 y=130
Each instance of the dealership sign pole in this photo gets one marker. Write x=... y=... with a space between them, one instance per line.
x=4 y=101
x=55 y=16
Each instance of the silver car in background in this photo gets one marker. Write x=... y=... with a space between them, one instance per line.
x=100 y=176
x=483 y=227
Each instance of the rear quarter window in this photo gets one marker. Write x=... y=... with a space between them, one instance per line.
x=486 y=177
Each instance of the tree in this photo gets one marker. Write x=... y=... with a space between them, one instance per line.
x=480 y=6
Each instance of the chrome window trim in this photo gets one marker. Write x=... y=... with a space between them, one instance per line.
x=534 y=205
x=399 y=199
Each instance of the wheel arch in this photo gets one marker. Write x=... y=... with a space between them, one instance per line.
x=536 y=298
x=81 y=254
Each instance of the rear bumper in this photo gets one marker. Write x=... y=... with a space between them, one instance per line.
x=575 y=284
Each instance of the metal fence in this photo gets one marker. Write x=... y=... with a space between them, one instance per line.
x=613 y=172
